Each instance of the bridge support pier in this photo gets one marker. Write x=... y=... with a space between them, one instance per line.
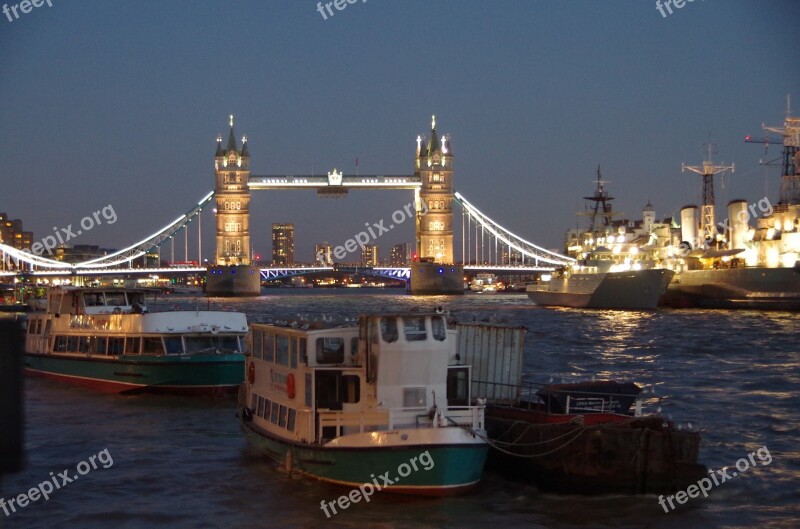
x=233 y=281
x=436 y=279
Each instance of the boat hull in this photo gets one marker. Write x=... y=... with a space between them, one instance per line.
x=605 y=454
x=736 y=288
x=195 y=375
x=637 y=289
x=456 y=466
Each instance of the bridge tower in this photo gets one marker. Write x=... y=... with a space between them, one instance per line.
x=232 y=171
x=434 y=165
x=436 y=271
x=233 y=274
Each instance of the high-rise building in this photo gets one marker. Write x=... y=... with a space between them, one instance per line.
x=282 y=244
x=323 y=254
x=399 y=255
x=12 y=234
x=434 y=164
x=232 y=170
x=369 y=255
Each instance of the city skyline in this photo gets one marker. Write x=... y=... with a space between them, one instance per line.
x=101 y=107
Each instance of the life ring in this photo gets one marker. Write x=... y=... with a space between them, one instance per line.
x=251 y=373
x=290 y=387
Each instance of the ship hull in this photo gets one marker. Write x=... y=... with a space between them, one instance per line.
x=602 y=454
x=196 y=375
x=638 y=289
x=456 y=466
x=735 y=288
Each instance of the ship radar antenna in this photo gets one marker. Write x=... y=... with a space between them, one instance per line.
x=708 y=170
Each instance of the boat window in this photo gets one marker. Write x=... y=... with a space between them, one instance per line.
x=258 y=344
x=152 y=346
x=290 y=420
x=282 y=350
x=72 y=344
x=413 y=397
x=226 y=344
x=438 y=328
x=260 y=411
x=93 y=299
x=174 y=345
x=132 y=346
x=302 y=345
x=274 y=413
x=330 y=350
x=414 y=327
x=282 y=418
x=354 y=346
x=293 y=355
x=254 y=404
x=458 y=386
x=267 y=408
x=115 y=299
x=60 y=344
x=97 y=345
x=269 y=347
x=116 y=346
x=389 y=329
x=136 y=297
x=83 y=344
x=30 y=326
x=308 y=390
x=351 y=389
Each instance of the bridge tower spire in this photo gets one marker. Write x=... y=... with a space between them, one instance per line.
x=232 y=171
x=434 y=165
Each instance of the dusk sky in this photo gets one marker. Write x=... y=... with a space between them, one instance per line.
x=119 y=103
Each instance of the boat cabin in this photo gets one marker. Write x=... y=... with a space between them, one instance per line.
x=313 y=383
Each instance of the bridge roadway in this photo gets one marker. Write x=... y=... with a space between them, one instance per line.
x=403 y=273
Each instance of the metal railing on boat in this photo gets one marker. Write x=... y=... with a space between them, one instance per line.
x=389 y=419
x=558 y=398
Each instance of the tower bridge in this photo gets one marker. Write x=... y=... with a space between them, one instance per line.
x=234 y=273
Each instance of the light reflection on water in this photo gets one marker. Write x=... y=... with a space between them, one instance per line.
x=183 y=462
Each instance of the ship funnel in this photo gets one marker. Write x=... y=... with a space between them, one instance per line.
x=738 y=217
x=689 y=225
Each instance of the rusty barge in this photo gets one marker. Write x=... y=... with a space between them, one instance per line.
x=583 y=438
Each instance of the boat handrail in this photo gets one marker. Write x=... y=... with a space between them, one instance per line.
x=389 y=419
x=530 y=393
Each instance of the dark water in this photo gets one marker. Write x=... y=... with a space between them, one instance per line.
x=181 y=463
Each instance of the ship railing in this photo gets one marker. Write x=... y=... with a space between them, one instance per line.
x=389 y=419
x=559 y=400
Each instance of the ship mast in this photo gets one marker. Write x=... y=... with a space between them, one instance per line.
x=601 y=198
x=790 y=179
x=707 y=170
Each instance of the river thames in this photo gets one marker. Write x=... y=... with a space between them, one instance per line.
x=183 y=462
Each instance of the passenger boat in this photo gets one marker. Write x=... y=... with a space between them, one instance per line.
x=106 y=339
x=345 y=405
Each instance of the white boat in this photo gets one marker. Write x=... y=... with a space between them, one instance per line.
x=345 y=404
x=106 y=339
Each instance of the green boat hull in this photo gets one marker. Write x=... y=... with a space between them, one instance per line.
x=447 y=469
x=197 y=374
